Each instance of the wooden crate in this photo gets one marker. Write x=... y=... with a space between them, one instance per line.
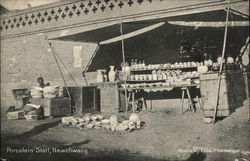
x=231 y=96
x=15 y=115
x=85 y=99
x=56 y=107
x=109 y=96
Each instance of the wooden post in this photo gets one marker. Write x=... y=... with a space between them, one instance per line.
x=247 y=93
x=221 y=65
x=124 y=61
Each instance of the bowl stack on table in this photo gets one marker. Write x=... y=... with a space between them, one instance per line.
x=36 y=92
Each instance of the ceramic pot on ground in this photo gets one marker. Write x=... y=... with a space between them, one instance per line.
x=112 y=73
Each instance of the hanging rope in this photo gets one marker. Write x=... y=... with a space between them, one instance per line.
x=64 y=66
x=89 y=62
x=60 y=70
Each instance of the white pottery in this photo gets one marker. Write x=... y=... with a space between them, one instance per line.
x=202 y=69
x=99 y=77
x=112 y=73
x=155 y=77
x=230 y=60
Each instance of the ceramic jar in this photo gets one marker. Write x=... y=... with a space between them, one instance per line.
x=210 y=62
x=220 y=60
x=164 y=76
x=112 y=73
x=141 y=77
x=99 y=77
x=230 y=60
x=160 y=77
x=155 y=77
x=127 y=70
x=132 y=77
x=136 y=77
x=150 y=77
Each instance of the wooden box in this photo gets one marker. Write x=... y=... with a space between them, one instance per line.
x=85 y=99
x=231 y=96
x=122 y=101
x=15 y=115
x=56 y=107
x=22 y=96
x=109 y=96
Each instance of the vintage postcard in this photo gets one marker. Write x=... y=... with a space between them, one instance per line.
x=129 y=80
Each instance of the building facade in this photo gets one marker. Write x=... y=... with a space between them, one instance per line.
x=25 y=50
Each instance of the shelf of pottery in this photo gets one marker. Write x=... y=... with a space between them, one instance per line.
x=138 y=75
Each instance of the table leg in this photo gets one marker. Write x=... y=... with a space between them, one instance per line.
x=190 y=100
x=133 y=101
x=129 y=96
x=182 y=100
x=151 y=105
x=198 y=100
x=145 y=104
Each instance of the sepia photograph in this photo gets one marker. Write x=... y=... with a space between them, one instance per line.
x=124 y=80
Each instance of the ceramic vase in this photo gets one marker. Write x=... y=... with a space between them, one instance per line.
x=112 y=73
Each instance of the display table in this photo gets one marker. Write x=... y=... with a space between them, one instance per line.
x=185 y=88
x=231 y=96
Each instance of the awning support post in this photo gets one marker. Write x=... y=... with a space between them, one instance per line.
x=124 y=62
x=221 y=65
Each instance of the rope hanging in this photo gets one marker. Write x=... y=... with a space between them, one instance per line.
x=89 y=62
x=65 y=66
x=60 y=70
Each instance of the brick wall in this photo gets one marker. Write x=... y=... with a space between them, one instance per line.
x=24 y=59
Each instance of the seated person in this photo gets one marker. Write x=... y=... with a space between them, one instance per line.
x=40 y=80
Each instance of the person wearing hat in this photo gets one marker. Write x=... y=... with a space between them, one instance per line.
x=40 y=80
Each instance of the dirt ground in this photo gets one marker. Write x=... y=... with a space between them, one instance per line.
x=167 y=135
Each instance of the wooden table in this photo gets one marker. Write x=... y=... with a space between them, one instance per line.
x=132 y=91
